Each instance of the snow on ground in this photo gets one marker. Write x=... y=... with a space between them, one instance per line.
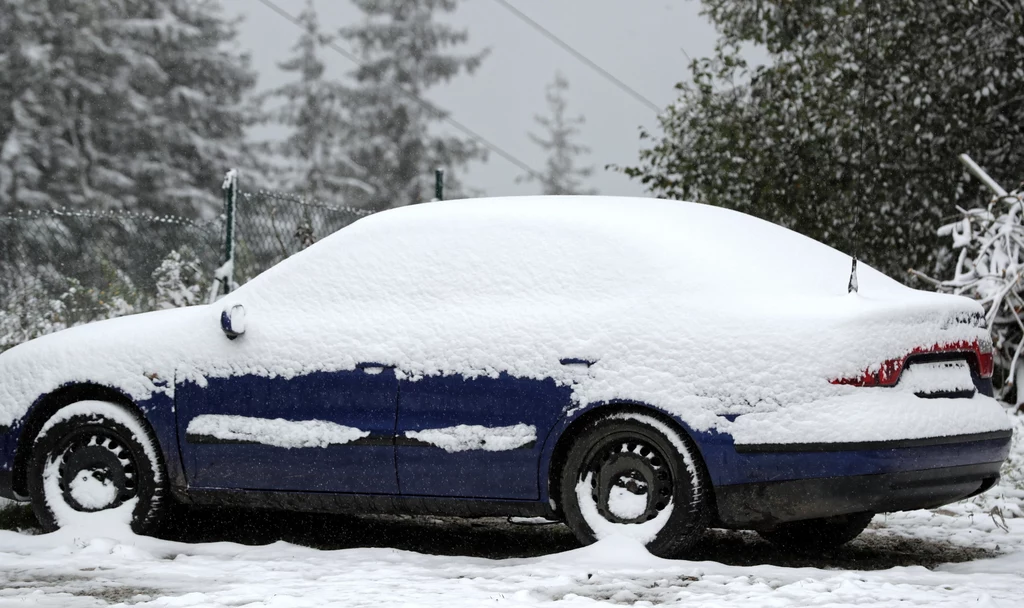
x=82 y=568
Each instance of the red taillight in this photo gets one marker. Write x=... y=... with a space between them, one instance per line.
x=978 y=354
x=986 y=363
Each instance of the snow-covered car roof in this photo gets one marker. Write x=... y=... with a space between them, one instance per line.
x=581 y=246
x=696 y=310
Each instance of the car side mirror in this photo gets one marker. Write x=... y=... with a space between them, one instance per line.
x=232 y=321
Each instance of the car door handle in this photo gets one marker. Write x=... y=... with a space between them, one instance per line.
x=576 y=362
x=373 y=368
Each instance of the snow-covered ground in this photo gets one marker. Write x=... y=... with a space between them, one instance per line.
x=962 y=555
x=82 y=568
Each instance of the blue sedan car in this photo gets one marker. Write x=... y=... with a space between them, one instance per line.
x=628 y=366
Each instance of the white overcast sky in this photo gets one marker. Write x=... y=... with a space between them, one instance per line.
x=642 y=42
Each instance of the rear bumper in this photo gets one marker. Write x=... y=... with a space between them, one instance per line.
x=754 y=505
x=760 y=485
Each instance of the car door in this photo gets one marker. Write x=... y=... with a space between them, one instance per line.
x=475 y=437
x=321 y=431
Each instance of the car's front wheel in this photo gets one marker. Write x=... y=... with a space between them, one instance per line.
x=93 y=461
x=816 y=535
x=632 y=474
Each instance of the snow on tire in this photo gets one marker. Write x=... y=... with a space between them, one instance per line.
x=94 y=463
x=631 y=474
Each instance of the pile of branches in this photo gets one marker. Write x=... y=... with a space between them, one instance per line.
x=990 y=269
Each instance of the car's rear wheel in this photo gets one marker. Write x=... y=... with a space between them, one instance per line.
x=632 y=474
x=96 y=462
x=816 y=535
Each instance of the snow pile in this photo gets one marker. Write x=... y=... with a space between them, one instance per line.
x=697 y=310
x=276 y=432
x=474 y=437
x=624 y=504
x=642 y=533
x=91 y=492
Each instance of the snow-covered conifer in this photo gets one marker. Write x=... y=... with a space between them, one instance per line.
x=315 y=154
x=561 y=174
x=119 y=104
x=402 y=45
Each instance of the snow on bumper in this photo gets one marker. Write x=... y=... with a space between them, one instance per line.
x=871 y=414
x=879 y=450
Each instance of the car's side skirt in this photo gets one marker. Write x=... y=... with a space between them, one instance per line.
x=860 y=446
x=324 y=502
x=759 y=505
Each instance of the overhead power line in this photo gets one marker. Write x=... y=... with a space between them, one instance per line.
x=444 y=114
x=578 y=55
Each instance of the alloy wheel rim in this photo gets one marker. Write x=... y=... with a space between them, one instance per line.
x=631 y=481
x=96 y=471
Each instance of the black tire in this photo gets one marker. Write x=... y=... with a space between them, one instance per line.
x=817 y=535
x=96 y=456
x=656 y=465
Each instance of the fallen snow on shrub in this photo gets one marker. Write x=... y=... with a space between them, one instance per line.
x=696 y=310
x=990 y=269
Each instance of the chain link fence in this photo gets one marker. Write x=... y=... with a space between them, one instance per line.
x=60 y=268
x=79 y=244
x=270 y=226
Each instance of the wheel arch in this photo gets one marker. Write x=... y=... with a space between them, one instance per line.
x=49 y=404
x=570 y=428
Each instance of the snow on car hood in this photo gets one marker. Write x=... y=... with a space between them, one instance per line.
x=694 y=309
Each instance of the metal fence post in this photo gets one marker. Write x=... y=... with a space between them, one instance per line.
x=439 y=185
x=230 y=190
x=224 y=276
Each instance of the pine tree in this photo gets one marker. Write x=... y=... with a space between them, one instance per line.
x=119 y=104
x=851 y=134
x=315 y=153
x=561 y=175
x=402 y=46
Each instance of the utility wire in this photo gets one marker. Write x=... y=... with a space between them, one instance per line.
x=444 y=114
x=578 y=55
